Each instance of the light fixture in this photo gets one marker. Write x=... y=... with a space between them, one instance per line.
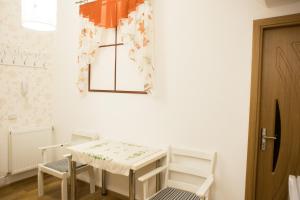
x=39 y=15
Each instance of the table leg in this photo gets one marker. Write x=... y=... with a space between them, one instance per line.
x=103 y=189
x=131 y=185
x=73 y=180
x=158 y=177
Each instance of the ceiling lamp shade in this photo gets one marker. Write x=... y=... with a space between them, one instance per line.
x=39 y=15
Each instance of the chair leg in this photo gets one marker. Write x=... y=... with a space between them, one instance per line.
x=92 y=179
x=208 y=195
x=145 y=190
x=40 y=183
x=64 y=188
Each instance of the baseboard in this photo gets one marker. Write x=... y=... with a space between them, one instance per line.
x=18 y=177
x=119 y=184
x=9 y=179
x=117 y=195
x=110 y=191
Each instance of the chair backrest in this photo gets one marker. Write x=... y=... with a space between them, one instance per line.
x=189 y=168
x=80 y=137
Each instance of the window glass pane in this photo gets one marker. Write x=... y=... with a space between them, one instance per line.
x=103 y=70
x=119 y=38
x=108 y=37
x=128 y=76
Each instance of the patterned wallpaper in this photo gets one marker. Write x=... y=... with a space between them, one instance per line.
x=31 y=108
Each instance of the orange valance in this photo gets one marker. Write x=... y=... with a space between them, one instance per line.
x=108 y=13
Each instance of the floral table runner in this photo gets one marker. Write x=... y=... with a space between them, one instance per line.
x=113 y=156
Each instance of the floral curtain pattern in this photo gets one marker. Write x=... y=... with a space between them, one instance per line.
x=89 y=39
x=136 y=30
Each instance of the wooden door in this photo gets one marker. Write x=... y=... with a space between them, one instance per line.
x=279 y=112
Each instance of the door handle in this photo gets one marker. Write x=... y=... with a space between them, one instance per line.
x=264 y=138
x=271 y=138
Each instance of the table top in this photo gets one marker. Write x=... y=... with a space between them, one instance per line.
x=115 y=156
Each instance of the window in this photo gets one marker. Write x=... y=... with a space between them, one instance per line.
x=113 y=71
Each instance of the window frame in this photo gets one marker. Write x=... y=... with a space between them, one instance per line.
x=115 y=45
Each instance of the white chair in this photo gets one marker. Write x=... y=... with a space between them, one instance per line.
x=188 y=174
x=61 y=168
x=293 y=188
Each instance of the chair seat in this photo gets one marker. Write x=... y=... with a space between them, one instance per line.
x=174 y=194
x=61 y=165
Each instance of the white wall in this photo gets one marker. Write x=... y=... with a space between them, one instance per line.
x=16 y=110
x=202 y=87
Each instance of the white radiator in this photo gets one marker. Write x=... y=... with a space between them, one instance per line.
x=3 y=152
x=23 y=149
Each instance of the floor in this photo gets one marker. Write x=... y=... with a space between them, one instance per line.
x=27 y=190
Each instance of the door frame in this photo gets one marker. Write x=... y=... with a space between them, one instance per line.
x=253 y=134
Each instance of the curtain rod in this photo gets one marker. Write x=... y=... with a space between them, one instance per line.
x=84 y=1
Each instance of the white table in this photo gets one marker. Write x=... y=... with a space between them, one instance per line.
x=114 y=157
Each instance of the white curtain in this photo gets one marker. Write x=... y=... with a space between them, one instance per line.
x=136 y=30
